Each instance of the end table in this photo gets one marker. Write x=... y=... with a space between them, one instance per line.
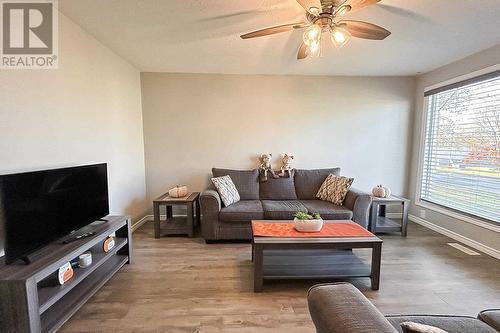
x=378 y=220
x=176 y=225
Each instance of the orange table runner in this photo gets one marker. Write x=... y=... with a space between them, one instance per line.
x=287 y=229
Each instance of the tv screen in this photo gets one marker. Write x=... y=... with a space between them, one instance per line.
x=39 y=207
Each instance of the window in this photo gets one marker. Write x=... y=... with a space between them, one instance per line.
x=461 y=160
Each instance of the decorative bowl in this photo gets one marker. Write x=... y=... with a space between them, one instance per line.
x=308 y=225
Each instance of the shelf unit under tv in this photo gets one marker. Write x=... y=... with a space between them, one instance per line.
x=26 y=305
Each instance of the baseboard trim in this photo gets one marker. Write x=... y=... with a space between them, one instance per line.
x=147 y=218
x=453 y=235
x=140 y=222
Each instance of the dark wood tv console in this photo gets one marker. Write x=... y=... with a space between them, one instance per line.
x=27 y=306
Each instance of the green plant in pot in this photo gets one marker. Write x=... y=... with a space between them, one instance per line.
x=305 y=222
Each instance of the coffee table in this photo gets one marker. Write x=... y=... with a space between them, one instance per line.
x=277 y=257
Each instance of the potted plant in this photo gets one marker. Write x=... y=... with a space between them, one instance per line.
x=308 y=222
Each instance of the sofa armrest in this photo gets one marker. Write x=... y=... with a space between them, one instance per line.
x=359 y=202
x=490 y=317
x=341 y=308
x=210 y=203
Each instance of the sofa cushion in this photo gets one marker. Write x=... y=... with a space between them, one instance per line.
x=282 y=209
x=452 y=324
x=308 y=182
x=246 y=181
x=327 y=210
x=282 y=188
x=245 y=210
x=342 y=308
x=491 y=317
x=411 y=327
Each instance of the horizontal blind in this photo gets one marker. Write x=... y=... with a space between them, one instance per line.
x=461 y=164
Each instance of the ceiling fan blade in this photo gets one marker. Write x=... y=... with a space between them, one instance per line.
x=365 y=30
x=302 y=51
x=273 y=30
x=360 y=4
x=308 y=4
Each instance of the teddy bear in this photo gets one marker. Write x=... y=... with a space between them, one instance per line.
x=265 y=167
x=287 y=165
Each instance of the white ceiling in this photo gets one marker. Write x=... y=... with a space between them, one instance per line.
x=202 y=36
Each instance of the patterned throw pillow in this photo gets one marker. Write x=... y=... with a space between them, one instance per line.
x=227 y=191
x=411 y=327
x=334 y=189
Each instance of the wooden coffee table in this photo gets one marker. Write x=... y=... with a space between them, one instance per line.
x=313 y=258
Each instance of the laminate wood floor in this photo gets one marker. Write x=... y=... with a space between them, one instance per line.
x=178 y=284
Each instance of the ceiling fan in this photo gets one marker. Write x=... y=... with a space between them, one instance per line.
x=323 y=17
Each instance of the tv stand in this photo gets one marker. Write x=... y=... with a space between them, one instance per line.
x=78 y=237
x=26 y=305
x=26 y=260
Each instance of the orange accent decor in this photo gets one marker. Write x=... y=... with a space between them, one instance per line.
x=287 y=229
x=68 y=274
x=109 y=243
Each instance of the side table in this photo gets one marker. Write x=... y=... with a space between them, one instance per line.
x=176 y=225
x=379 y=222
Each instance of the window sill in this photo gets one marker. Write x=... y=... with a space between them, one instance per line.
x=461 y=217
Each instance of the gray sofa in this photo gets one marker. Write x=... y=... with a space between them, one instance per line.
x=341 y=308
x=275 y=199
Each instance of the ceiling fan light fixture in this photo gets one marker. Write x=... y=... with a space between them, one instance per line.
x=312 y=34
x=344 y=10
x=314 y=10
x=323 y=16
x=314 y=49
x=340 y=36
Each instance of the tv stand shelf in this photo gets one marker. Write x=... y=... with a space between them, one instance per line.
x=58 y=314
x=27 y=306
x=49 y=295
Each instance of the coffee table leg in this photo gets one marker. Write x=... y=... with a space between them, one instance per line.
x=376 y=259
x=156 y=209
x=252 y=250
x=258 y=277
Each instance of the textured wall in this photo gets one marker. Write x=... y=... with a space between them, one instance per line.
x=87 y=111
x=193 y=122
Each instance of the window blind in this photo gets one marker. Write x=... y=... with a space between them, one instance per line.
x=461 y=162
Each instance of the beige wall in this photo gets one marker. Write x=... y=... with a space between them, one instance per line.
x=87 y=111
x=193 y=122
x=468 y=65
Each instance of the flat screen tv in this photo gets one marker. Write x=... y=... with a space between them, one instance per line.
x=39 y=207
